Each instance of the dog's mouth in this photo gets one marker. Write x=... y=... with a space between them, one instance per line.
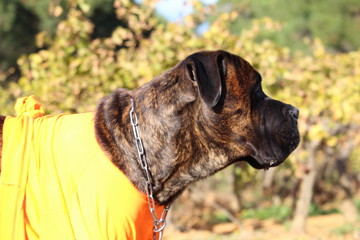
x=261 y=165
x=276 y=150
x=265 y=158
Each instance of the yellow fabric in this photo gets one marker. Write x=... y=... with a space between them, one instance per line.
x=29 y=106
x=56 y=183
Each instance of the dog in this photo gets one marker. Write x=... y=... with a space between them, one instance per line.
x=204 y=114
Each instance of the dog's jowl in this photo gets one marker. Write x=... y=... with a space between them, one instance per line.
x=91 y=175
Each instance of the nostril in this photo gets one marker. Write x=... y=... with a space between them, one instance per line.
x=294 y=112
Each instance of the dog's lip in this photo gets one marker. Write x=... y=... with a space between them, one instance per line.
x=261 y=164
x=256 y=164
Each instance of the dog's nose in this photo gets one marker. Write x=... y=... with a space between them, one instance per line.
x=293 y=112
x=290 y=112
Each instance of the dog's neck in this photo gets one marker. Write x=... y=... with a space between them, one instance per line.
x=177 y=149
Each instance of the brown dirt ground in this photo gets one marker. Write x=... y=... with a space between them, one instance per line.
x=326 y=227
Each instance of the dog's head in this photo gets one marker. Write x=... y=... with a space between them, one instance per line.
x=252 y=126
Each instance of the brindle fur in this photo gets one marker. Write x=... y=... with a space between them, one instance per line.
x=185 y=139
x=197 y=118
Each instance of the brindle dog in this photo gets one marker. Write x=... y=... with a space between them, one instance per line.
x=206 y=113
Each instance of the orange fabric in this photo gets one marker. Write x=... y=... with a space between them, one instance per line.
x=56 y=183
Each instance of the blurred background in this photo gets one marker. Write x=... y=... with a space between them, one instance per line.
x=70 y=53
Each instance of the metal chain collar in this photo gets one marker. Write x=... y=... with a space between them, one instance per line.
x=159 y=224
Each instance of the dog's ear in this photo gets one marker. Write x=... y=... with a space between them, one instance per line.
x=207 y=69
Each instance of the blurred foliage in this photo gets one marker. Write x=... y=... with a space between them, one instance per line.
x=345 y=229
x=278 y=213
x=316 y=210
x=336 y=23
x=21 y=21
x=73 y=70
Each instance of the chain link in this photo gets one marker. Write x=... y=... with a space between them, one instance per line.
x=158 y=224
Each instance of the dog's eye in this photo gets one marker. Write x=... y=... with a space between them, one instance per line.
x=257 y=88
x=258 y=92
